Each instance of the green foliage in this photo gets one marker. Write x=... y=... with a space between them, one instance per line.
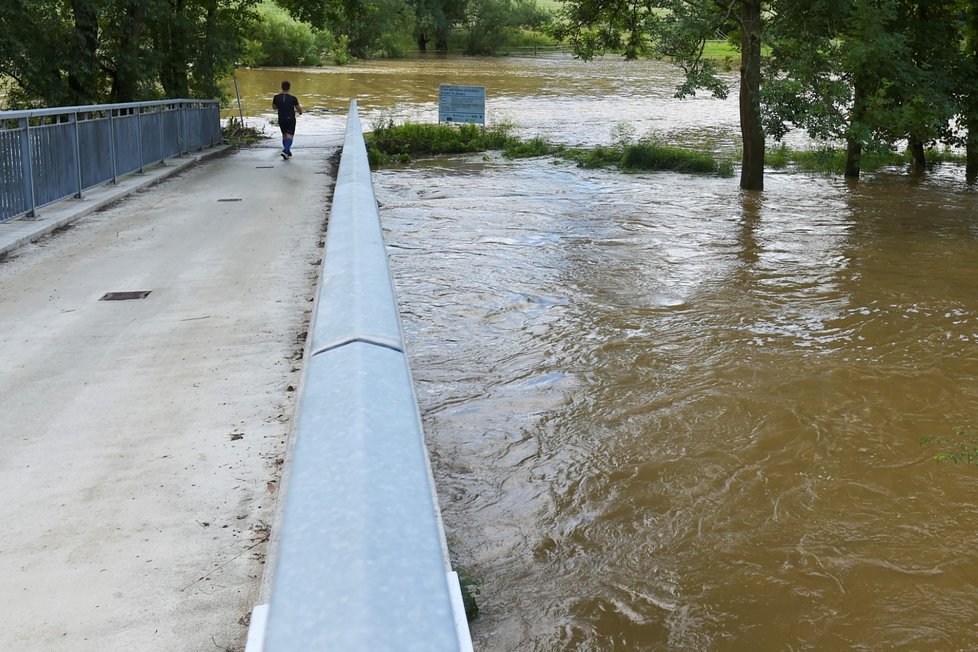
x=494 y=25
x=600 y=156
x=372 y=28
x=274 y=38
x=389 y=142
x=962 y=447
x=870 y=72
x=90 y=51
x=534 y=147
x=341 y=50
x=655 y=156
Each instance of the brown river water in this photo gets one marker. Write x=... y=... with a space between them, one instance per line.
x=666 y=414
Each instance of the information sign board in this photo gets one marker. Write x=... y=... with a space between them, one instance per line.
x=462 y=104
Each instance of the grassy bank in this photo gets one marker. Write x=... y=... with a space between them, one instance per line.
x=392 y=144
x=721 y=50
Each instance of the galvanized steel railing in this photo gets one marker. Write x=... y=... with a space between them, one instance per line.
x=361 y=562
x=47 y=155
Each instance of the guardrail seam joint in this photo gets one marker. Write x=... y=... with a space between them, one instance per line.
x=354 y=340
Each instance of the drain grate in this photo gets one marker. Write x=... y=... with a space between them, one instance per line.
x=230 y=199
x=125 y=296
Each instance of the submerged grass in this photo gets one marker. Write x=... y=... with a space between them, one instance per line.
x=650 y=156
x=832 y=160
x=391 y=144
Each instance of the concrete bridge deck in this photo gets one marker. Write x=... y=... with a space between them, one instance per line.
x=142 y=439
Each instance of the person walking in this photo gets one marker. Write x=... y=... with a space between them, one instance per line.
x=287 y=106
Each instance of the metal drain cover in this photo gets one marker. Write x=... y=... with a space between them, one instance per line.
x=125 y=296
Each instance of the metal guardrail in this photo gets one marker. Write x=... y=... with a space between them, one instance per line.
x=47 y=155
x=361 y=562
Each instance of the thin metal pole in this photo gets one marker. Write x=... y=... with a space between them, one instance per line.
x=234 y=75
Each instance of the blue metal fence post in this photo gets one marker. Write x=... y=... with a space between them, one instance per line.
x=77 y=147
x=115 y=165
x=139 y=137
x=202 y=120
x=28 y=167
x=162 y=144
x=183 y=128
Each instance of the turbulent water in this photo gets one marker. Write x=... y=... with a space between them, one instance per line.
x=665 y=414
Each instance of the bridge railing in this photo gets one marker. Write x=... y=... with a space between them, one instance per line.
x=47 y=155
x=361 y=561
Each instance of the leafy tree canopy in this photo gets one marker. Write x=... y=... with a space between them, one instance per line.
x=73 y=52
x=870 y=72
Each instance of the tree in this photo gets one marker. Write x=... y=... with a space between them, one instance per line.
x=829 y=71
x=274 y=38
x=434 y=20
x=60 y=52
x=679 y=29
x=968 y=87
x=40 y=49
x=488 y=23
x=870 y=72
x=925 y=94
x=370 y=27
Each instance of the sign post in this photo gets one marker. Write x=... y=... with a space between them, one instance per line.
x=462 y=104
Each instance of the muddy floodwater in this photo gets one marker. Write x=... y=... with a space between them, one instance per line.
x=666 y=414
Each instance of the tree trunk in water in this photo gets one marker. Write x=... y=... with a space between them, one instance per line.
x=854 y=154
x=423 y=42
x=971 y=150
x=971 y=112
x=83 y=75
x=918 y=162
x=854 y=145
x=752 y=167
